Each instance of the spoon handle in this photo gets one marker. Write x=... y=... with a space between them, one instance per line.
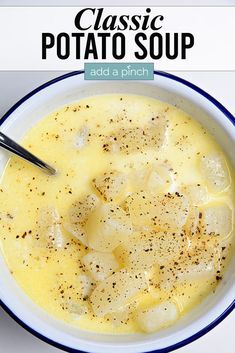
x=14 y=148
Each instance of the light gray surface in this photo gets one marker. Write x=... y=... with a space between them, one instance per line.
x=14 y=85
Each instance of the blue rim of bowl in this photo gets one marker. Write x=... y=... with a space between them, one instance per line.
x=177 y=345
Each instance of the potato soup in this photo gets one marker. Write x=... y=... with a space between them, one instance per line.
x=135 y=229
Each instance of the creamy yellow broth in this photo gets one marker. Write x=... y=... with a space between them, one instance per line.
x=72 y=140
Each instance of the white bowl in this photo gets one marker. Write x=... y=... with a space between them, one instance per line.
x=216 y=307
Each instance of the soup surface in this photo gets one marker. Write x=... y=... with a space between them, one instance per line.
x=134 y=230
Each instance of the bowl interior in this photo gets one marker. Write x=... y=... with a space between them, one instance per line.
x=72 y=89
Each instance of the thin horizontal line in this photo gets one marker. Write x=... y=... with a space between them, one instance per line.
x=134 y=6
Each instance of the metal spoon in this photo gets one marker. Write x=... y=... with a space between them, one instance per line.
x=14 y=148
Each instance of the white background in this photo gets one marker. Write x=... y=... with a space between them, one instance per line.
x=13 y=85
x=212 y=27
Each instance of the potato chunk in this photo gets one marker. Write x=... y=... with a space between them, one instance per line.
x=86 y=285
x=138 y=253
x=165 y=212
x=111 y=185
x=197 y=194
x=78 y=215
x=117 y=291
x=157 y=317
x=173 y=211
x=215 y=171
x=77 y=309
x=155 y=178
x=146 y=249
x=197 y=271
x=200 y=263
x=171 y=277
x=192 y=225
x=138 y=179
x=217 y=220
x=137 y=139
x=121 y=316
x=100 y=265
x=107 y=227
x=82 y=138
x=159 y=179
x=49 y=228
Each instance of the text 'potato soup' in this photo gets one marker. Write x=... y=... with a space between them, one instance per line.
x=137 y=226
